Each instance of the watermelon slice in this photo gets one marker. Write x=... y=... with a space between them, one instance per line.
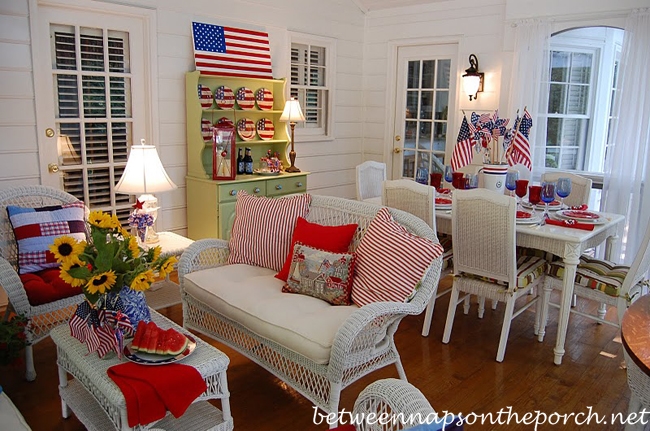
x=160 y=344
x=175 y=342
x=138 y=335
x=150 y=347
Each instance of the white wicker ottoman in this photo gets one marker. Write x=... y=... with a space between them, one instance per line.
x=100 y=405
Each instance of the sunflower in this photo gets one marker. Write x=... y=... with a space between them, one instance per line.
x=168 y=266
x=156 y=253
x=66 y=266
x=64 y=248
x=101 y=283
x=115 y=222
x=143 y=280
x=134 y=248
x=100 y=219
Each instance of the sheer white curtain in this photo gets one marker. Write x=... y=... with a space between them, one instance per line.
x=529 y=81
x=626 y=188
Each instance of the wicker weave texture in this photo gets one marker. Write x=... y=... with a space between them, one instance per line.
x=362 y=344
x=414 y=198
x=370 y=176
x=42 y=317
x=580 y=187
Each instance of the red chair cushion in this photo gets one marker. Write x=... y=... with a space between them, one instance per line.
x=46 y=286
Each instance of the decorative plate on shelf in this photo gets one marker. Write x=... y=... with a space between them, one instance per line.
x=264 y=99
x=246 y=129
x=145 y=358
x=205 y=96
x=224 y=121
x=224 y=97
x=245 y=98
x=265 y=129
x=206 y=129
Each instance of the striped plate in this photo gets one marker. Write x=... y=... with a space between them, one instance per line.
x=246 y=129
x=224 y=121
x=205 y=96
x=264 y=99
x=206 y=129
x=224 y=97
x=265 y=129
x=245 y=98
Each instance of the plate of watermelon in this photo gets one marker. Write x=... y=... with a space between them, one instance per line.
x=152 y=345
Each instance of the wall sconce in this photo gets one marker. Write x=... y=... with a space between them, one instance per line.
x=473 y=79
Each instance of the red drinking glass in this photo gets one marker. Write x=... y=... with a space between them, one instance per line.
x=521 y=187
x=458 y=180
x=534 y=195
x=436 y=179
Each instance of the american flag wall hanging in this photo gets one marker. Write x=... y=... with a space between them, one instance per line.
x=230 y=51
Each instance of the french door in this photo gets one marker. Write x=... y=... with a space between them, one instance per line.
x=426 y=84
x=90 y=102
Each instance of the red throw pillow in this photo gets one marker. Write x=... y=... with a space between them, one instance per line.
x=261 y=232
x=391 y=262
x=335 y=239
x=46 y=286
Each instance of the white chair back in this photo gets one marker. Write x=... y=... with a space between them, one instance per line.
x=412 y=197
x=483 y=229
x=370 y=177
x=580 y=187
x=640 y=266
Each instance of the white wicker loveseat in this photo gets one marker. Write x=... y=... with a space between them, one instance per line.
x=360 y=341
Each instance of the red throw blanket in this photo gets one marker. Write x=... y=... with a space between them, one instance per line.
x=152 y=390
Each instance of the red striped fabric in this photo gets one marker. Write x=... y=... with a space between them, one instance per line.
x=263 y=227
x=391 y=262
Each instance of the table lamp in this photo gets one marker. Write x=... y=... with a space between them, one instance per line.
x=144 y=174
x=292 y=113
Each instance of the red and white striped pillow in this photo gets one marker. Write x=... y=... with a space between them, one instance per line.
x=262 y=230
x=390 y=261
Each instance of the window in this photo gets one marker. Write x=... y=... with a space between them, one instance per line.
x=583 y=64
x=312 y=72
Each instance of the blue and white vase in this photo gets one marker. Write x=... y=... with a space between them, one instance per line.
x=132 y=303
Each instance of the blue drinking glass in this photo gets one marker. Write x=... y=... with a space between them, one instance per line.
x=448 y=172
x=422 y=176
x=511 y=180
x=563 y=189
x=548 y=195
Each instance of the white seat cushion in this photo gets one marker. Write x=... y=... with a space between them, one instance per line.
x=253 y=297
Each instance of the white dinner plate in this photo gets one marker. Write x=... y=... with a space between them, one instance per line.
x=551 y=207
x=153 y=359
x=532 y=220
x=562 y=215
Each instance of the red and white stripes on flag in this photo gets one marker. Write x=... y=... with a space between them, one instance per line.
x=462 y=155
x=519 y=151
x=230 y=51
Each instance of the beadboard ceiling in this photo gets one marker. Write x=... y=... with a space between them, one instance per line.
x=370 y=5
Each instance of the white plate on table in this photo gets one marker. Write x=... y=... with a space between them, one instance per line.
x=153 y=359
x=581 y=216
x=553 y=206
x=533 y=219
x=443 y=203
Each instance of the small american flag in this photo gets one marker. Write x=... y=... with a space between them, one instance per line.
x=264 y=99
x=245 y=98
x=205 y=96
x=229 y=51
x=462 y=155
x=224 y=97
x=519 y=151
x=265 y=129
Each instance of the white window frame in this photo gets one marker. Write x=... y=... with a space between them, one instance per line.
x=329 y=44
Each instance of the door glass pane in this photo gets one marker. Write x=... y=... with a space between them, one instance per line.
x=426 y=105
x=120 y=96
x=437 y=163
x=413 y=76
x=439 y=136
x=410 y=131
x=66 y=96
x=92 y=49
x=424 y=138
x=442 y=105
x=69 y=144
x=408 y=164
x=423 y=160
x=428 y=73
x=444 y=67
x=411 y=104
x=94 y=96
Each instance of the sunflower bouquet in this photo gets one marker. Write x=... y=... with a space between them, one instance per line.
x=110 y=260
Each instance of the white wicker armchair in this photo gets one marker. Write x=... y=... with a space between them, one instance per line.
x=370 y=176
x=42 y=318
x=363 y=343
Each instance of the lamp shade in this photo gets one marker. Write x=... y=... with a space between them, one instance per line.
x=144 y=172
x=292 y=111
x=471 y=84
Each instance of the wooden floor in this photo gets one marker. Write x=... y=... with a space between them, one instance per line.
x=462 y=376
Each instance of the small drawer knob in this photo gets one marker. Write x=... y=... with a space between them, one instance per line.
x=299 y=184
x=256 y=190
x=278 y=187
x=233 y=192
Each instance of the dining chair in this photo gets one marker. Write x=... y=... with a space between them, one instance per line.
x=580 y=187
x=42 y=317
x=370 y=177
x=485 y=260
x=419 y=200
x=601 y=281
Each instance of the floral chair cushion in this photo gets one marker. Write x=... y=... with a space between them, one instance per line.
x=595 y=274
x=529 y=268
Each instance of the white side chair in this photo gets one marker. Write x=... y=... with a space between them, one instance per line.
x=419 y=200
x=370 y=177
x=580 y=187
x=485 y=261
x=601 y=281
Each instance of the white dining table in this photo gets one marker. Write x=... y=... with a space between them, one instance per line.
x=565 y=242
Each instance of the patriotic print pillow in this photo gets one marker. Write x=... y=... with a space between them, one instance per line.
x=391 y=262
x=36 y=228
x=263 y=227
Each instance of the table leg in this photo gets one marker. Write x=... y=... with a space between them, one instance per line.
x=63 y=382
x=225 y=401
x=570 y=265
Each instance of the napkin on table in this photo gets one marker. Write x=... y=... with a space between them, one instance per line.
x=582 y=207
x=151 y=391
x=571 y=223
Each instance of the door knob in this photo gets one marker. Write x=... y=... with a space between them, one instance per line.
x=397 y=150
x=53 y=168
x=49 y=132
x=398 y=138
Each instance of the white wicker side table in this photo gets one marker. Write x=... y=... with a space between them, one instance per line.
x=99 y=404
x=165 y=293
